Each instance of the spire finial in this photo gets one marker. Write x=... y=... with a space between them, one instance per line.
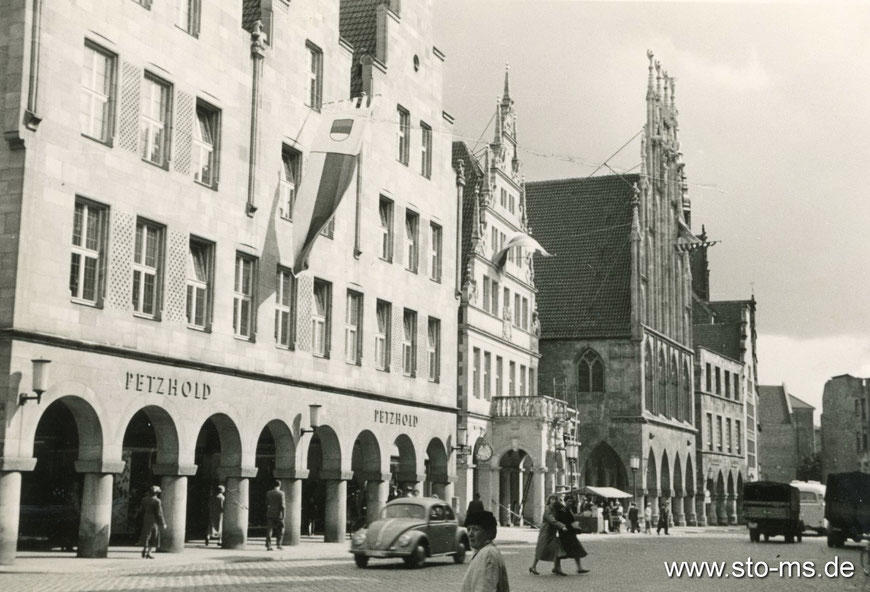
x=498 y=122
x=507 y=82
x=649 y=86
x=658 y=79
x=666 y=96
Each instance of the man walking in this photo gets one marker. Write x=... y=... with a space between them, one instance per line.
x=633 y=518
x=487 y=571
x=664 y=518
x=274 y=515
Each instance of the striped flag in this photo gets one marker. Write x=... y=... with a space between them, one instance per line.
x=686 y=247
x=331 y=167
x=518 y=239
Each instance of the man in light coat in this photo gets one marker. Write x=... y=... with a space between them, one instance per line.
x=487 y=571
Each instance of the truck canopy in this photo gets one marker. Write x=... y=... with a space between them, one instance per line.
x=770 y=491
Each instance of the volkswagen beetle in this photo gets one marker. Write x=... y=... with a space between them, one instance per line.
x=413 y=528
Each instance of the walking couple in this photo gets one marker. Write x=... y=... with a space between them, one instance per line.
x=557 y=538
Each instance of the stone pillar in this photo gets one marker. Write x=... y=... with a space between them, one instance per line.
x=731 y=508
x=487 y=492
x=96 y=515
x=721 y=516
x=701 y=506
x=235 y=534
x=291 y=485
x=689 y=503
x=537 y=495
x=336 y=505
x=654 y=505
x=377 y=492
x=504 y=498
x=10 y=504
x=678 y=512
x=173 y=482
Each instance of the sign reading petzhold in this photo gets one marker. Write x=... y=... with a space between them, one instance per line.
x=392 y=418
x=171 y=387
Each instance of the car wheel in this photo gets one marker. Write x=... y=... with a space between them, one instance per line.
x=800 y=537
x=789 y=539
x=459 y=556
x=753 y=535
x=766 y=537
x=417 y=557
x=360 y=560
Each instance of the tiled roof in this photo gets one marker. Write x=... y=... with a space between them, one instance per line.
x=720 y=338
x=799 y=404
x=473 y=174
x=773 y=406
x=584 y=289
x=729 y=311
x=358 y=25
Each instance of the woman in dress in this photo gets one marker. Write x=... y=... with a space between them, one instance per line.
x=548 y=547
x=568 y=537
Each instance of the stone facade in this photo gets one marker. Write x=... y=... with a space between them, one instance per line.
x=845 y=425
x=149 y=392
x=787 y=432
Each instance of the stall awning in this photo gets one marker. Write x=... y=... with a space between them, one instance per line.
x=605 y=492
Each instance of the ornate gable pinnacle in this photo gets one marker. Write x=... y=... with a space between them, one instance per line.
x=498 y=123
x=507 y=83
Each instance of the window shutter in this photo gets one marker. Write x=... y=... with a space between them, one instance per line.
x=128 y=121
x=424 y=238
x=185 y=119
x=398 y=332
x=123 y=231
x=175 y=296
x=400 y=241
x=422 y=347
x=304 y=300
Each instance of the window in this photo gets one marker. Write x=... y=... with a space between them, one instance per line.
x=518 y=315
x=426 y=151
x=739 y=436
x=147 y=264
x=404 y=135
x=487 y=297
x=736 y=386
x=383 y=312
x=503 y=198
x=525 y=314
x=591 y=373
x=709 y=431
x=728 y=434
x=718 y=381
x=154 y=120
x=512 y=203
x=243 y=296
x=475 y=373
x=499 y=370
x=385 y=216
x=533 y=384
x=199 y=283
x=284 y=308
x=727 y=384
x=188 y=16
x=353 y=328
x=719 y=433
x=412 y=223
x=512 y=374
x=434 y=349
x=288 y=182
x=87 y=264
x=494 y=241
x=409 y=342
x=320 y=318
x=494 y=296
x=522 y=380
x=487 y=373
x=506 y=300
x=314 y=81
x=709 y=375
x=97 y=110
x=435 y=252
x=206 y=134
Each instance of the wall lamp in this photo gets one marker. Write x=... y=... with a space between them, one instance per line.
x=313 y=419
x=462 y=441
x=40 y=382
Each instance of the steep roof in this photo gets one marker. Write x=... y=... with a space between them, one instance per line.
x=722 y=339
x=773 y=405
x=799 y=404
x=358 y=25
x=473 y=175
x=584 y=289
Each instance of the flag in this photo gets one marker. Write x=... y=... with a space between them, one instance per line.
x=685 y=247
x=518 y=239
x=331 y=167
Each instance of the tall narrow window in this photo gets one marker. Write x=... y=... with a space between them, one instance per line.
x=87 y=264
x=591 y=373
x=434 y=349
x=435 y=252
x=503 y=198
x=206 y=134
x=475 y=373
x=284 y=308
x=353 y=328
x=320 y=318
x=728 y=384
x=709 y=431
x=708 y=374
x=426 y=151
x=189 y=16
x=728 y=434
x=412 y=238
x=314 y=80
x=383 y=311
x=533 y=383
x=385 y=220
x=499 y=371
x=147 y=268
x=736 y=378
x=243 y=296
x=512 y=379
x=487 y=288
x=525 y=323
x=719 y=433
x=409 y=342
x=718 y=380
x=495 y=291
x=494 y=233
x=518 y=314
x=199 y=283
x=98 y=93
x=506 y=303
x=154 y=120
x=288 y=182
x=739 y=435
x=404 y=135
x=487 y=375
x=522 y=380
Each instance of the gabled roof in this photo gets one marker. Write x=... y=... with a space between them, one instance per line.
x=358 y=25
x=773 y=405
x=799 y=404
x=584 y=289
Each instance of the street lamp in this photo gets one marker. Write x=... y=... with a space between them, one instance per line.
x=40 y=382
x=634 y=463
x=313 y=419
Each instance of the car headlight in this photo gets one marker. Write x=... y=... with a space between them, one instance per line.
x=359 y=537
x=404 y=540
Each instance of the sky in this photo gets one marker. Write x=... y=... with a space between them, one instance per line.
x=774 y=119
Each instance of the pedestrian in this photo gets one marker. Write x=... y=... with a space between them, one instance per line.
x=647 y=519
x=605 y=513
x=486 y=571
x=633 y=516
x=548 y=548
x=664 y=516
x=568 y=537
x=216 y=516
x=274 y=515
x=618 y=520
x=475 y=505
x=152 y=520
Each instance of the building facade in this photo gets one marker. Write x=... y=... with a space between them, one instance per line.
x=845 y=433
x=147 y=228
x=616 y=314
x=787 y=432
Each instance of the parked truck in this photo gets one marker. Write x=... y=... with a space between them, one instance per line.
x=772 y=509
x=847 y=507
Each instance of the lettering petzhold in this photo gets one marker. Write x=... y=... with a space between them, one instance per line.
x=393 y=418
x=171 y=387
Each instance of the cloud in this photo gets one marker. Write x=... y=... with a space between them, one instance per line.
x=804 y=365
x=748 y=76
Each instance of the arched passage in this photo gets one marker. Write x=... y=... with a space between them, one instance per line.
x=403 y=466
x=652 y=479
x=324 y=492
x=436 y=469
x=515 y=480
x=739 y=498
x=720 y=500
x=604 y=468
x=276 y=450
x=367 y=492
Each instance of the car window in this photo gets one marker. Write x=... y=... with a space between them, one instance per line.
x=808 y=496
x=448 y=513
x=436 y=513
x=404 y=511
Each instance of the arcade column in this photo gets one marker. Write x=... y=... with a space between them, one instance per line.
x=336 y=504
x=731 y=508
x=173 y=482
x=679 y=512
x=236 y=505
x=653 y=496
x=689 y=502
x=291 y=485
x=10 y=504
x=701 y=507
x=377 y=492
x=487 y=490
x=537 y=495
x=96 y=512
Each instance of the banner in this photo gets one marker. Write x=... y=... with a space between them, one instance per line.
x=518 y=239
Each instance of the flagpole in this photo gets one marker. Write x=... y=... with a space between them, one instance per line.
x=356 y=236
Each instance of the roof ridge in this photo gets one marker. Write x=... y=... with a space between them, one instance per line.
x=571 y=179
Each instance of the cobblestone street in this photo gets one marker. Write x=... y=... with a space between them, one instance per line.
x=626 y=562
